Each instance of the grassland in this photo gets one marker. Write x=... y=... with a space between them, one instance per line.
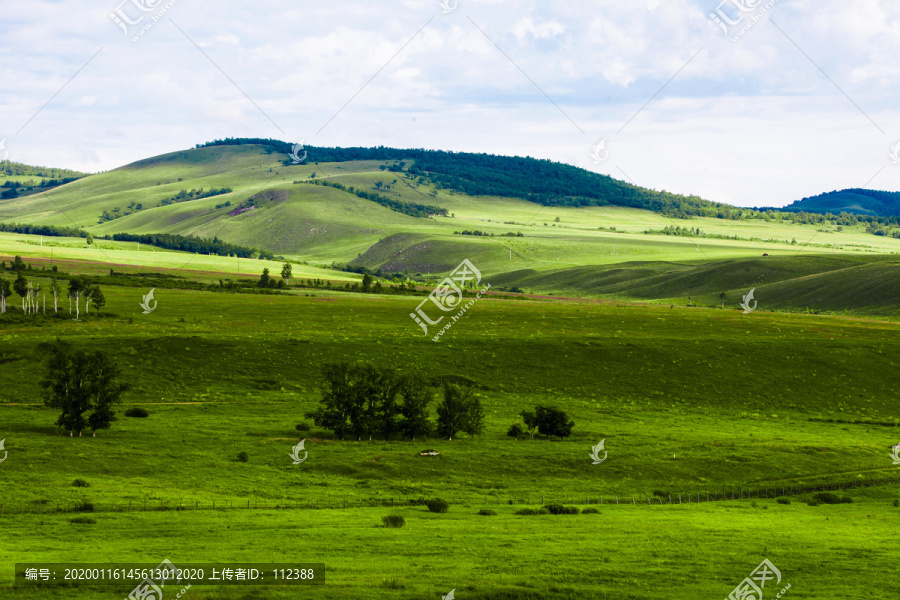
x=688 y=400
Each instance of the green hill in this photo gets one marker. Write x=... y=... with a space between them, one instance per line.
x=852 y=201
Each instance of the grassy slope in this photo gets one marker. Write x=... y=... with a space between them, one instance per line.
x=729 y=395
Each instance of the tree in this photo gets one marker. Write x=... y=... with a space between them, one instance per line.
x=367 y=283
x=105 y=390
x=97 y=298
x=340 y=410
x=5 y=291
x=474 y=424
x=77 y=382
x=387 y=413
x=453 y=411
x=287 y=273
x=76 y=289
x=530 y=421
x=18 y=264
x=90 y=239
x=553 y=422
x=415 y=396
x=86 y=291
x=54 y=289
x=20 y=285
x=264 y=279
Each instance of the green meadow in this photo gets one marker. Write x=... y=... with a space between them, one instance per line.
x=689 y=401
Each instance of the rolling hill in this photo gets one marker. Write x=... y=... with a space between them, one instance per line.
x=420 y=213
x=852 y=201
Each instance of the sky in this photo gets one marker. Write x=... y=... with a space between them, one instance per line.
x=748 y=102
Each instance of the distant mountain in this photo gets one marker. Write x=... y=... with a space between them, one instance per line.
x=541 y=181
x=854 y=201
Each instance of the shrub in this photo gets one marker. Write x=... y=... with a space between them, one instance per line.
x=83 y=507
x=590 y=510
x=753 y=504
x=559 y=509
x=532 y=511
x=515 y=430
x=80 y=483
x=487 y=512
x=83 y=520
x=896 y=503
x=395 y=521
x=784 y=501
x=243 y=457
x=137 y=412
x=832 y=498
x=437 y=505
x=302 y=426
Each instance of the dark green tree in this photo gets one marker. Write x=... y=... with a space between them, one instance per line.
x=416 y=396
x=387 y=405
x=77 y=382
x=474 y=424
x=97 y=297
x=367 y=283
x=453 y=410
x=342 y=405
x=553 y=422
x=529 y=418
x=264 y=279
x=18 y=264
x=20 y=285
x=287 y=272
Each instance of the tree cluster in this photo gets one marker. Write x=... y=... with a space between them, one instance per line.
x=363 y=400
x=546 y=420
x=84 y=386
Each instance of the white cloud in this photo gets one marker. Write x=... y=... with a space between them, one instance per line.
x=759 y=106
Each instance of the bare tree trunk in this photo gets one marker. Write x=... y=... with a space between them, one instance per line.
x=79 y=433
x=77 y=311
x=94 y=434
x=70 y=433
x=54 y=302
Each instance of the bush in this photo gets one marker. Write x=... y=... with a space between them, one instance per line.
x=83 y=507
x=243 y=457
x=783 y=501
x=437 y=505
x=559 y=509
x=83 y=520
x=532 y=511
x=394 y=521
x=896 y=503
x=812 y=502
x=515 y=430
x=487 y=512
x=753 y=504
x=590 y=511
x=137 y=412
x=302 y=426
x=80 y=483
x=832 y=498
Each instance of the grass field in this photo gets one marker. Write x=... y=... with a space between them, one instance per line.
x=688 y=401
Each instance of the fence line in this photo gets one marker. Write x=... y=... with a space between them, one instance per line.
x=725 y=494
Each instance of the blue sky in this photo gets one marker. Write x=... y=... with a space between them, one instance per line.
x=804 y=101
